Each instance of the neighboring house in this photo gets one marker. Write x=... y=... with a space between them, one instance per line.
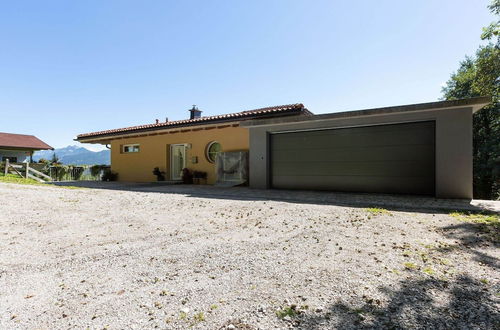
x=423 y=149
x=173 y=145
x=18 y=148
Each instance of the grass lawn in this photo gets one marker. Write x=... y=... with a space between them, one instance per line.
x=11 y=178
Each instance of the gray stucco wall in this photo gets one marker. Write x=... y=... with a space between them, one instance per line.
x=453 y=145
x=22 y=156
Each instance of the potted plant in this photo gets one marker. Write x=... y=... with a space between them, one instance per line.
x=187 y=176
x=160 y=176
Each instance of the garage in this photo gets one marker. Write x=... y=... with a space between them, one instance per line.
x=392 y=158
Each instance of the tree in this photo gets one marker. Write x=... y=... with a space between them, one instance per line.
x=493 y=30
x=55 y=159
x=480 y=76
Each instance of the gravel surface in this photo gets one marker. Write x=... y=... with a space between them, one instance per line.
x=118 y=259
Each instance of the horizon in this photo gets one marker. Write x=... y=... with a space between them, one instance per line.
x=71 y=68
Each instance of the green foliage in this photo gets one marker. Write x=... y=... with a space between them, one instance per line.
x=109 y=175
x=429 y=271
x=486 y=224
x=96 y=170
x=287 y=311
x=199 y=317
x=55 y=160
x=410 y=265
x=491 y=219
x=493 y=30
x=377 y=211
x=58 y=172
x=479 y=76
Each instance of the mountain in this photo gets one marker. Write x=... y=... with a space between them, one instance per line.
x=74 y=155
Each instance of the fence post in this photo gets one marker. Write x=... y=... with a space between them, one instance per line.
x=27 y=169
x=6 y=170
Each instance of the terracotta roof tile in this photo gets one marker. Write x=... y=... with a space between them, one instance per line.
x=9 y=140
x=242 y=115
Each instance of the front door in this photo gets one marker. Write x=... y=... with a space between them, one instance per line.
x=177 y=160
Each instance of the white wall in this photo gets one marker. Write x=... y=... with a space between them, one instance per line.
x=22 y=156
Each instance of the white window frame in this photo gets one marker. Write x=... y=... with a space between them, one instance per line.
x=135 y=147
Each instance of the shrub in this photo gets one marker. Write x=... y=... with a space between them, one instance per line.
x=95 y=170
x=57 y=172
x=109 y=175
x=187 y=176
x=159 y=174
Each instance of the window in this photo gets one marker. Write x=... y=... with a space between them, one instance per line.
x=213 y=148
x=128 y=148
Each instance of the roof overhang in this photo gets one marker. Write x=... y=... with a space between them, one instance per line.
x=106 y=139
x=475 y=103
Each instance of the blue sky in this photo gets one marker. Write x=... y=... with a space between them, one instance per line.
x=70 y=67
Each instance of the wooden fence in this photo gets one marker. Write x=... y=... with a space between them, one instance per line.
x=25 y=171
x=45 y=172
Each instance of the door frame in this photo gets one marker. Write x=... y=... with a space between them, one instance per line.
x=171 y=159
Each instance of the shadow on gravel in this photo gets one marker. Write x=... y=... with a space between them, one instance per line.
x=462 y=304
x=387 y=201
x=470 y=236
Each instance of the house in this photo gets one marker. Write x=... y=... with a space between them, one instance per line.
x=423 y=149
x=18 y=148
x=173 y=145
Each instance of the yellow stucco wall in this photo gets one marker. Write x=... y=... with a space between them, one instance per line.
x=154 y=152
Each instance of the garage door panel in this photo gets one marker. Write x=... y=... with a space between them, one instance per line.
x=386 y=158
x=370 y=168
x=355 y=184
x=360 y=153
x=355 y=136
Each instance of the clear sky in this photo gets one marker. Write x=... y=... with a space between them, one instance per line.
x=70 y=67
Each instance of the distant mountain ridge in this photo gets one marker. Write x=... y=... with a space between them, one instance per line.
x=74 y=155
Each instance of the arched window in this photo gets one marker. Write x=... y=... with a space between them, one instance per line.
x=213 y=148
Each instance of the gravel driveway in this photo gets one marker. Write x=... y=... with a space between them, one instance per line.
x=124 y=259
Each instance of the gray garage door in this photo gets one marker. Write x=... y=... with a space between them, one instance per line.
x=396 y=158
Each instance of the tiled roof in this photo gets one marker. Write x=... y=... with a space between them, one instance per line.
x=9 y=140
x=242 y=115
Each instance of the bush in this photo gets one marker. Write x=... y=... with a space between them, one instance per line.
x=109 y=175
x=187 y=176
x=160 y=176
x=58 y=172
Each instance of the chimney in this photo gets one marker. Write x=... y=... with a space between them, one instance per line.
x=166 y=119
x=157 y=121
x=194 y=112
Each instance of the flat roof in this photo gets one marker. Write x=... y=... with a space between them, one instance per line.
x=476 y=103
